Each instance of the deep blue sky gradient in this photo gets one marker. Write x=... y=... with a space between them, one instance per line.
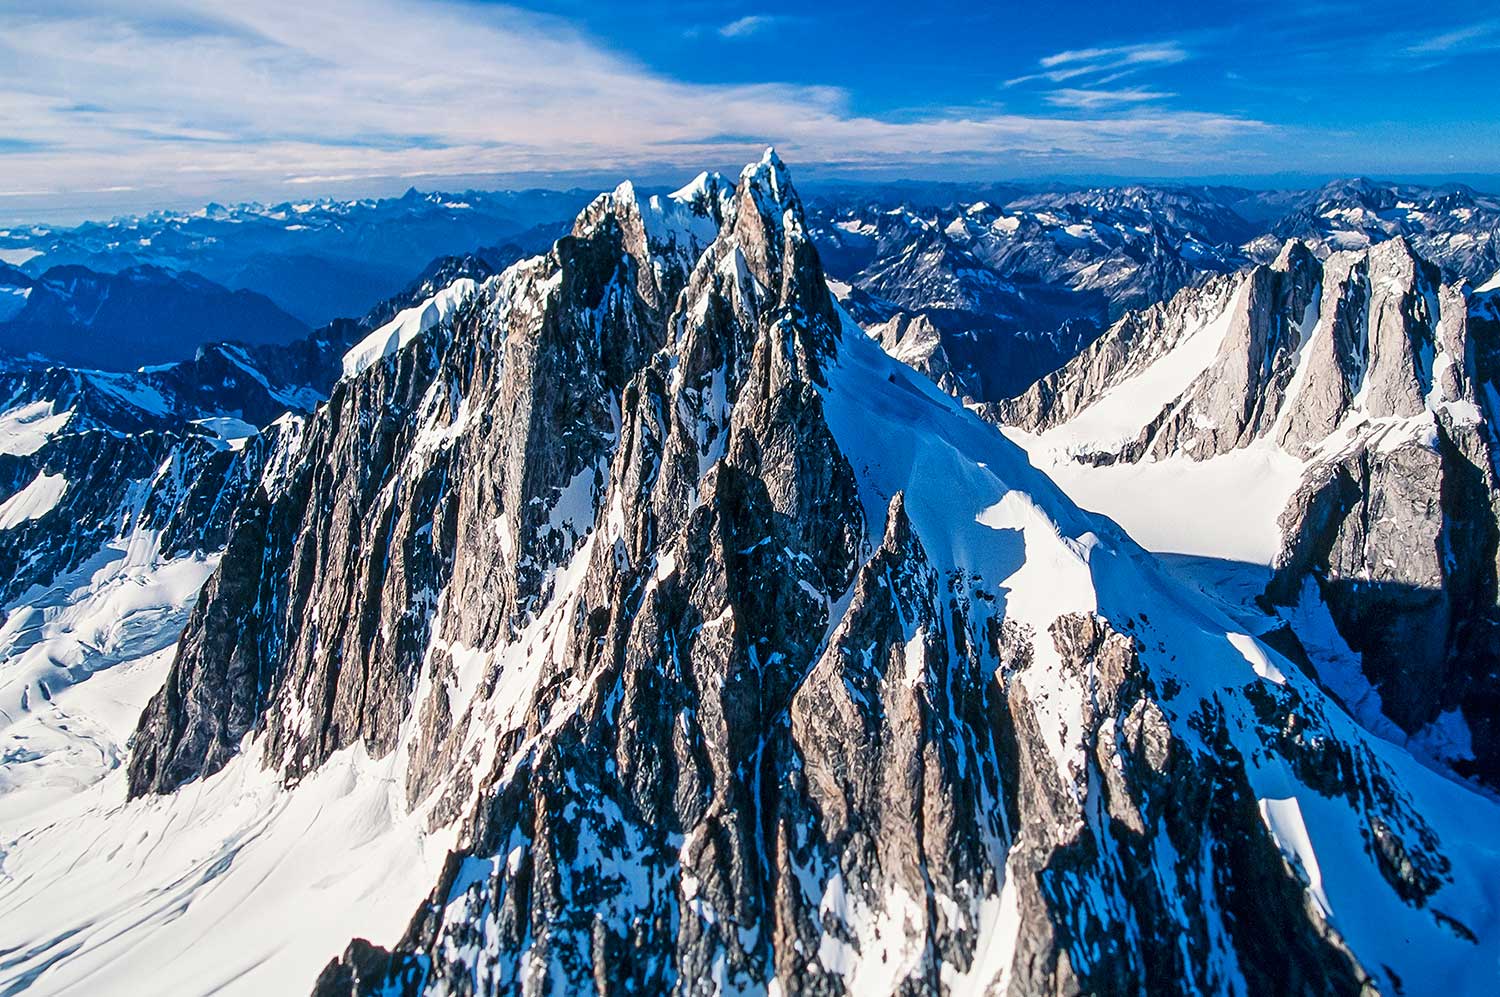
x=1382 y=74
x=107 y=107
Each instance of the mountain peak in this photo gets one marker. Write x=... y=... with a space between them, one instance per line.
x=771 y=159
x=705 y=185
x=1397 y=251
x=770 y=181
x=1294 y=255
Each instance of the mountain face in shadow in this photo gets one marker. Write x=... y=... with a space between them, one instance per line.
x=140 y=316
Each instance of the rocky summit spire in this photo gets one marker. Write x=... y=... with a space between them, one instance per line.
x=464 y=470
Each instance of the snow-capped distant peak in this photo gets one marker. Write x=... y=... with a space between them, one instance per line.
x=407 y=325
x=703 y=186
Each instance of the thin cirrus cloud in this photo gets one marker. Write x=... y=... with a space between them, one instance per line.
x=1093 y=100
x=751 y=24
x=225 y=97
x=1104 y=64
x=1478 y=37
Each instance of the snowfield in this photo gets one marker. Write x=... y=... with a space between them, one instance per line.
x=406 y=326
x=234 y=885
x=34 y=501
x=231 y=886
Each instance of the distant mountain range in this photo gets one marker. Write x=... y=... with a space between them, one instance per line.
x=1013 y=279
x=141 y=315
x=316 y=259
x=1017 y=288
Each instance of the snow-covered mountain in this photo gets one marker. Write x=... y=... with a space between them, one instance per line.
x=15 y=288
x=1455 y=227
x=1132 y=245
x=630 y=621
x=1018 y=289
x=117 y=497
x=1328 y=424
x=116 y=493
x=317 y=259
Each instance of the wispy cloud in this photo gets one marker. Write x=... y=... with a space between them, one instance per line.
x=752 y=24
x=1479 y=37
x=241 y=97
x=1124 y=55
x=1093 y=100
x=1112 y=63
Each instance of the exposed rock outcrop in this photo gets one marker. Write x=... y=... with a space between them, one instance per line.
x=916 y=342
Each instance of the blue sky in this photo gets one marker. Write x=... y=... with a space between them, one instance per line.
x=112 y=107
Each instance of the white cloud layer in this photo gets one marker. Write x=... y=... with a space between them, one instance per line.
x=1481 y=36
x=179 y=95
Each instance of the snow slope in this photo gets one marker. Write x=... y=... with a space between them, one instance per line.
x=25 y=428
x=233 y=886
x=34 y=501
x=1224 y=507
x=1117 y=416
x=406 y=326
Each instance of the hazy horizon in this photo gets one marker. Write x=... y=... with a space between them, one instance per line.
x=94 y=207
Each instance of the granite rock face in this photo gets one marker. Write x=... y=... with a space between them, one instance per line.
x=601 y=560
x=1401 y=531
x=1130 y=347
x=916 y=342
x=1295 y=350
x=401 y=491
